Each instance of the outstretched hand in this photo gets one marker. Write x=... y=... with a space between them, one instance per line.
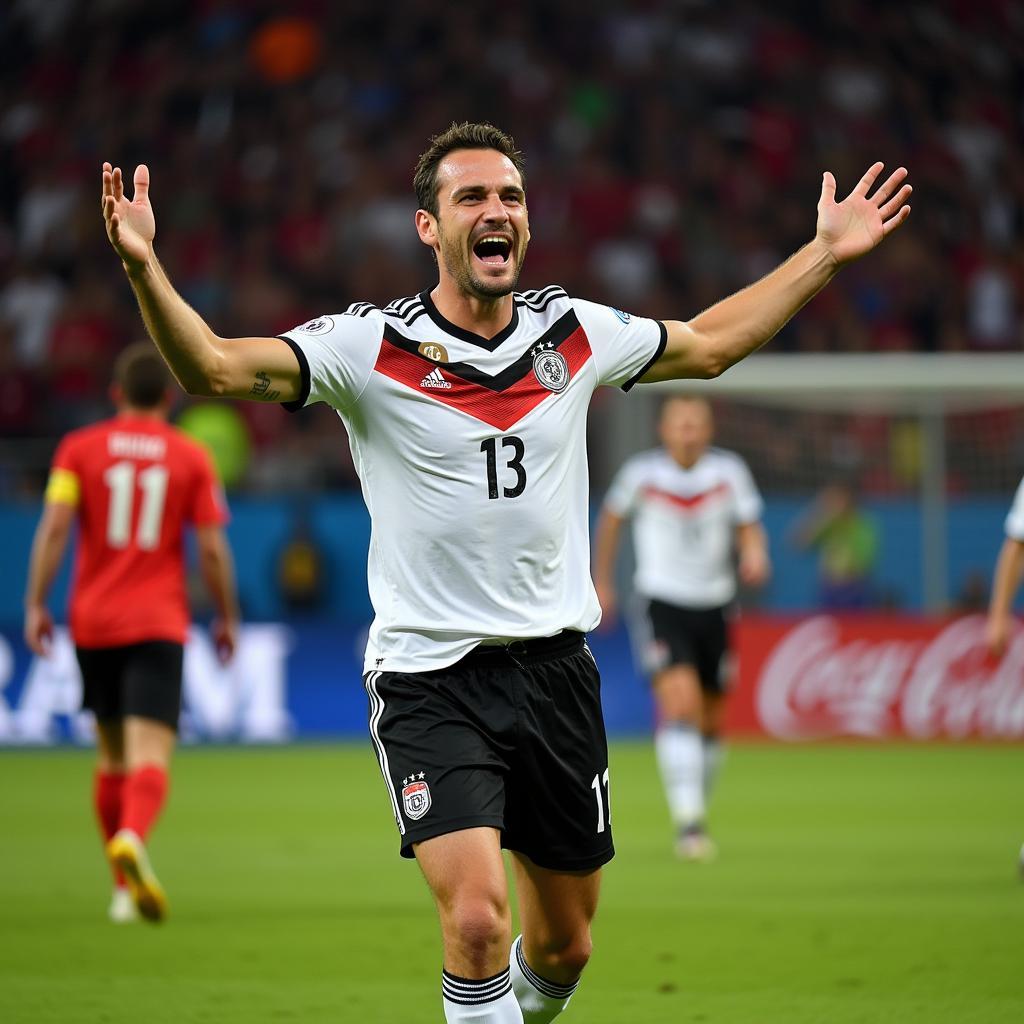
x=131 y=226
x=856 y=225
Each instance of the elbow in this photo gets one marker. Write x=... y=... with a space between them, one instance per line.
x=712 y=366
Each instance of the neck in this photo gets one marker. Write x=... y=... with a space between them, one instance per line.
x=484 y=316
x=157 y=412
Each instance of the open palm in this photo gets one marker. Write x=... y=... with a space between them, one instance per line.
x=856 y=225
x=131 y=226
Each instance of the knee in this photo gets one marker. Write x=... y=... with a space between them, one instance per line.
x=478 y=925
x=565 y=958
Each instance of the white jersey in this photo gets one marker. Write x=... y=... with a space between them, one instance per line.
x=471 y=453
x=1015 y=520
x=684 y=523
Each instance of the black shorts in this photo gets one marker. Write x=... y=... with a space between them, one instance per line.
x=510 y=738
x=671 y=635
x=141 y=679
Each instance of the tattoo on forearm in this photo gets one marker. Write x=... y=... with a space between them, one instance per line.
x=261 y=388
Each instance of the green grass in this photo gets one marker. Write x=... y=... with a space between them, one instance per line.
x=856 y=884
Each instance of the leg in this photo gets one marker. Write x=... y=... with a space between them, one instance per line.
x=677 y=696
x=555 y=909
x=108 y=798
x=148 y=748
x=466 y=875
x=711 y=730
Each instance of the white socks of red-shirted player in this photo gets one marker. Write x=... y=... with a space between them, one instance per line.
x=678 y=746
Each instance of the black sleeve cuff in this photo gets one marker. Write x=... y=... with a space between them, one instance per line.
x=299 y=402
x=662 y=342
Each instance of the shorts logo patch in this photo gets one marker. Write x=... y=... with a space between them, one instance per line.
x=321 y=325
x=551 y=369
x=415 y=797
x=432 y=350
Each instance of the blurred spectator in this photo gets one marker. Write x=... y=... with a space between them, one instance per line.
x=846 y=540
x=301 y=568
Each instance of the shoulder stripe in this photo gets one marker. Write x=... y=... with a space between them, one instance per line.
x=359 y=309
x=533 y=294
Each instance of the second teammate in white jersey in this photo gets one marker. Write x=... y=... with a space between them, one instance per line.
x=692 y=508
x=466 y=411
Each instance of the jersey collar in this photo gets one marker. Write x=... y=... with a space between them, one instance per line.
x=490 y=344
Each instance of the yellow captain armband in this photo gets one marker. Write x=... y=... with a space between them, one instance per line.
x=62 y=488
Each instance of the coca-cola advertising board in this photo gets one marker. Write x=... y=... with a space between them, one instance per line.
x=876 y=677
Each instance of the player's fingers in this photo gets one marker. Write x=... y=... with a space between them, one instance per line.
x=828 y=188
x=118 y=184
x=890 y=185
x=108 y=188
x=889 y=226
x=865 y=183
x=141 y=184
x=896 y=202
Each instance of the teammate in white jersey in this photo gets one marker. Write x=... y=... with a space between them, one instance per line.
x=1009 y=571
x=466 y=409
x=692 y=507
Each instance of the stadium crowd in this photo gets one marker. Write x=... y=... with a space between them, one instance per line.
x=674 y=151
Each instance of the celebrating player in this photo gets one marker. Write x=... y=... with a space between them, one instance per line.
x=132 y=483
x=466 y=407
x=691 y=505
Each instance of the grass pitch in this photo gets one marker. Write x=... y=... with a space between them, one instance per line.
x=855 y=884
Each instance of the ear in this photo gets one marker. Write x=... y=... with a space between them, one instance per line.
x=426 y=228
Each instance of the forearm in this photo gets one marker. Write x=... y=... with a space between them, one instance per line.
x=48 y=547
x=752 y=541
x=606 y=548
x=218 y=572
x=731 y=329
x=186 y=342
x=1009 y=568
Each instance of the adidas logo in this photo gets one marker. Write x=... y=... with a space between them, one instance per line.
x=435 y=380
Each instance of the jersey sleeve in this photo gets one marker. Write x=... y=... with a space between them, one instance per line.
x=749 y=503
x=208 y=506
x=336 y=356
x=64 y=485
x=622 y=495
x=1015 y=520
x=625 y=347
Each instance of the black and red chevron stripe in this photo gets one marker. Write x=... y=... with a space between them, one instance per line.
x=501 y=399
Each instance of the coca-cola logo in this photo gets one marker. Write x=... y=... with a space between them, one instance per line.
x=824 y=679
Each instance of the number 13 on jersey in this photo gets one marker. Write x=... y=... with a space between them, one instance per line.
x=512 y=462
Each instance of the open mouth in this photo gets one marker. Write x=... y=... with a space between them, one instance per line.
x=494 y=250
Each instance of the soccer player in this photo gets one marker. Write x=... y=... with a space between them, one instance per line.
x=466 y=407
x=692 y=506
x=131 y=483
x=1009 y=569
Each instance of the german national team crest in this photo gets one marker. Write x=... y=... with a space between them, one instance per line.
x=551 y=369
x=415 y=797
x=321 y=325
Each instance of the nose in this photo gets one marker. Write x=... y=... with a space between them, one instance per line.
x=495 y=212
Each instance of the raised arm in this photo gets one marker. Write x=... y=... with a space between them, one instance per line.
x=730 y=330
x=262 y=369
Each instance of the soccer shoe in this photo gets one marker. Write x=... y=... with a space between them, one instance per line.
x=127 y=851
x=122 y=907
x=695 y=845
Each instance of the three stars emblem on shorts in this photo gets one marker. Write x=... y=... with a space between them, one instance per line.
x=415 y=795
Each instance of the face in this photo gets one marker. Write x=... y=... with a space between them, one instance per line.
x=686 y=429
x=481 y=231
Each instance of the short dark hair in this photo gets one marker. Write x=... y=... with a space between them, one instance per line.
x=466 y=135
x=142 y=375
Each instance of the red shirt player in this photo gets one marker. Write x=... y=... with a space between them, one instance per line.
x=132 y=483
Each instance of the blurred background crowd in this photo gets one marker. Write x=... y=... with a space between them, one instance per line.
x=674 y=154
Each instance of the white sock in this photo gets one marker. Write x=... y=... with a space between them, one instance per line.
x=490 y=1001
x=713 y=756
x=680 y=758
x=539 y=999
